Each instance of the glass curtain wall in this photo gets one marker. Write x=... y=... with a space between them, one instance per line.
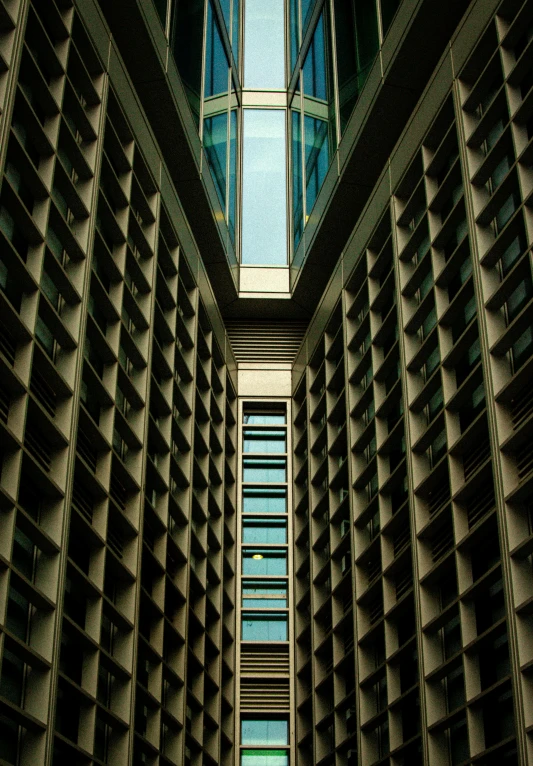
x=330 y=47
x=264 y=583
x=326 y=86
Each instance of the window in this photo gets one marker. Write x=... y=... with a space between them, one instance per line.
x=264 y=441
x=264 y=758
x=264 y=626
x=265 y=731
x=272 y=532
x=264 y=43
x=264 y=203
x=264 y=594
x=264 y=470
x=264 y=419
x=264 y=561
x=257 y=500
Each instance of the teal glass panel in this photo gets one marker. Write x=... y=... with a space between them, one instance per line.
x=226 y=11
x=216 y=145
x=186 y=39
x=273 y=532
x=264 y=441
x=388 y=11
x=294 y=24
x=316 y=158
x=314 y=70
x=264 y=758
x=235 y=29
x=257 y=594
x=319 y=119
x=264 y=44
x=348 y=83
x=216 y=62
x=232 y=202
x=264 y=194
x=267 y=562
x=161 y=7
x=264 y=419
x=265 y=627
x=297 y=179
x=264 y=470
x=307 y=6
x=265 y=731
x=264 y=501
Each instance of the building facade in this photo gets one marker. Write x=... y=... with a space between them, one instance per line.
x=266 y=465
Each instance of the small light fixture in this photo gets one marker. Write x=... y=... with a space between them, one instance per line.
x=257 y=556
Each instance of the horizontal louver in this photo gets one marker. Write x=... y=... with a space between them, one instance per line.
x=264 y=663
x=273 y=696
x=265 y=340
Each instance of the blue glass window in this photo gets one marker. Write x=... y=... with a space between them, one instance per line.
x=232 y=202
x=235 y=30
x=265 y=731
x=294 y=23
x=264 y=44
x=272 y=532
x=264 y=561
x=264 y=594
x=187 y=40
x=216 y=144
x=264 y=419
x=257 y=500
x=264 y=627
x=216 y=62
x=264 y=441
x=264 y=195
x=264 y=758
x=319 y=120
x=226 y=10
x=264 y=469
x=316 y=158
x=297 y=179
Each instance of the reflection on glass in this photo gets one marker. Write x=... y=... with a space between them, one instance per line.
x=264 y=501
x=216 y=62
x=265 y=732
x=316 y=158
x=235 y=30
x=264 y=594
x=264 y=561
x=272 y=532
x=264 y=470
x=187 y=42
x=264 y=49
x=215 y=144
x=264 y=197
x=264 y=758
x=319 y=119
x=294 y=23
x=226 y=10
x=232 y=202
x=264 y=419
x=264 y=441
x=314 y=71
x=306 y=9
x=357 y=40
x=297 y=179
x=264 y=627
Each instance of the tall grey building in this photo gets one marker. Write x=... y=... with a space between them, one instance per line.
x=266 y=352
